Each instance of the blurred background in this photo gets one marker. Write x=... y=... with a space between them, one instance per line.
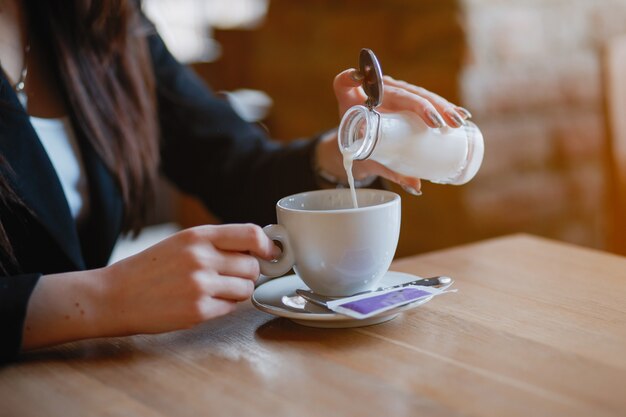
x=532 y=72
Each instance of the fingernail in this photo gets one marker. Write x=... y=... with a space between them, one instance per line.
x=435 y=118
x=356 y=75
x=458 y=120
x=410 y=190
x=464 y=112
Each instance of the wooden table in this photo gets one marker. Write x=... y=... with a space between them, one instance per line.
x=537 y=328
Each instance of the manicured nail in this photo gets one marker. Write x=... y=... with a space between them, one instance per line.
x=458 y=120
x=435 y=118
x=464 y=113
x=356 y=75
x=410 y=190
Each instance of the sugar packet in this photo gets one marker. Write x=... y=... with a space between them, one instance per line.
x=371 y=304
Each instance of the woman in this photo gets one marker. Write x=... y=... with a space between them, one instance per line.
x=92 y=105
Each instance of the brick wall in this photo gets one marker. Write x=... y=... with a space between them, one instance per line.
x=533 y=81
x=529 y=71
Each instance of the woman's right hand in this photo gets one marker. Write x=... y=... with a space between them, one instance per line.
x=192 y=276
x=435 y=110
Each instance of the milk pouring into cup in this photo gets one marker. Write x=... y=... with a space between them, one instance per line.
x=402 y=141
x=340 y=242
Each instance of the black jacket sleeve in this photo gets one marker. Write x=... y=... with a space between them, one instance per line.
x=207 y=151
x=15 y=292
x=210 y=152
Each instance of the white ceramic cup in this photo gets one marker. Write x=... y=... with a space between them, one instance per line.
x=334 y=248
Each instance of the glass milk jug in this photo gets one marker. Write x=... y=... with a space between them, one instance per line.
x=403 y=142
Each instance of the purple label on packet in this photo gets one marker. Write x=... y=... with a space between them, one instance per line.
x=378 y=302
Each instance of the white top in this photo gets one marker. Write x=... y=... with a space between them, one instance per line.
x=58 y=138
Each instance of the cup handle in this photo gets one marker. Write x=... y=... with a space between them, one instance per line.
x=285 y=261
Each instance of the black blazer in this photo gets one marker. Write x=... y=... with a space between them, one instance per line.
x=206 y=150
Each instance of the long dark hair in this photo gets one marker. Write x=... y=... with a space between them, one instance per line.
x=103 y=63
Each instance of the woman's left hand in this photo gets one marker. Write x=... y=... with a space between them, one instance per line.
x=398 y=96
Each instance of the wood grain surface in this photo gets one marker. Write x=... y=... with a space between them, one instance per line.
x=537 y=328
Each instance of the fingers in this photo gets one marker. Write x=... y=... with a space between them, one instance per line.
x=463 y=112
x=236 y=237
x=224 y=250
x=348 y=80
x=214 y=307
x=398 y=96
x=231 y=288
x=237 y=265
x=347 y=87
x=399 y=99
x=453 y=115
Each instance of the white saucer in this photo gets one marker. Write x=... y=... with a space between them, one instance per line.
x=268 y=298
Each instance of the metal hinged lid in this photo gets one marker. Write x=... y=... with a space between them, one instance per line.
x=372 y=78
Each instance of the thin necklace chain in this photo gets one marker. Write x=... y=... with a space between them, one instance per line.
x=20 y=86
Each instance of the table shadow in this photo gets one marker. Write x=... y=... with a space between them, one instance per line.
x=284 y=330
